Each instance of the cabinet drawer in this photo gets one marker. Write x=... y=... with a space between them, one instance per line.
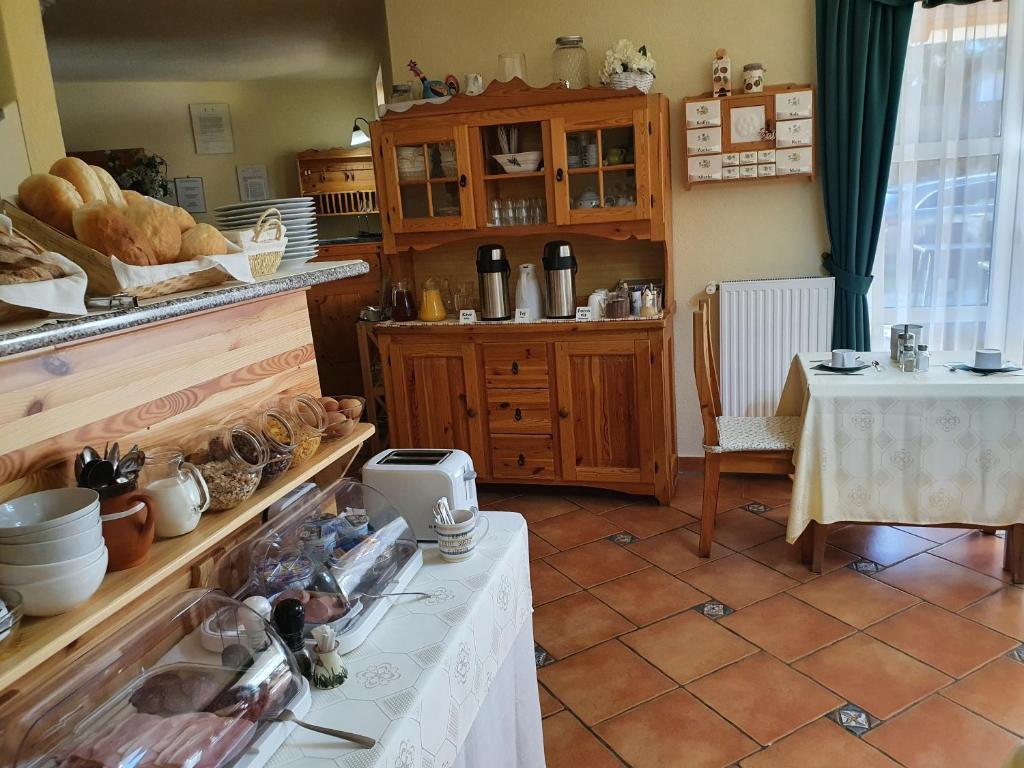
x=515 y=456
x=516 y=365
x=519 y=411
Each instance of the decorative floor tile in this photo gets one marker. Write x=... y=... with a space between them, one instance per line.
x=713 y=610
x=852 y=597
x=676 y=551
x=579 y=621
x=739 y=530
x=1003 y=612
x=939 y=581
x=1017 y=655
x=756 y=507
x=865 y=566
x=646 y=520
x=854 y=719
x=622 y=539
x=822 y=744
x=737 y=581
x=994 y=693
x=596 y=562
x=573 y=528
x=648 y=595
x=786 y=627
x=541 y=657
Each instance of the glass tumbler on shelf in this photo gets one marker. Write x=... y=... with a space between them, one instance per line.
x=569 y=62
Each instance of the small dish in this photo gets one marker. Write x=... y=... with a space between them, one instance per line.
x=519 y=162
x=985 y=371
x=41 y=511
x=834 y=369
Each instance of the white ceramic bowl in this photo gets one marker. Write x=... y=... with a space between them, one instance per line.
x=45 y=509
x=80 y=525
x=18 y=575
x=60 y=595
x=520 y=162
x=53 y=551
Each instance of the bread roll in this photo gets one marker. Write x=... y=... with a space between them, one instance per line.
x=157 y=222
x=50 y=199
x=110 y=188
x=131 y=196
x=183 y=217
x=202 y=240
x=103 y=227
x=79 y=173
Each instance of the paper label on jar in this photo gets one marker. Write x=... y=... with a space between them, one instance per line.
x=584 y=314
x=467 y=316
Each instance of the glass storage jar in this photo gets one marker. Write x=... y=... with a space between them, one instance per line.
x=231 y=458
x=308 y=420
x=273 y=425
x=569 y=61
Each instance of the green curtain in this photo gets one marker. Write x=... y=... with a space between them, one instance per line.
x=862 y=46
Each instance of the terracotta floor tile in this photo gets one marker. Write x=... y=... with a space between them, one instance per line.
x=938 y=535
x=538 y=547
x=785 y=558
x=881 y=543
x=872 y=675
x=773 y=490
x=674 y=731
x=786 y=627
x=646 y=520
x=1003 y=612
x=538 y=506
x=599 y=502
x=939 y=581
x=737 y=581
x=602 y=682
x=995 y=693
x=676 y=551
x=689 y=495
x=822 y=744
x=596 y=562
x=574 y=623
x=573 y=528
x=778 y=515
x=941 y=734
x=853 y=597
x=489 y=496
x=977 y=551
x=548 y=584
x=764 y=697
x=549 y=705
x=648 y=595
x=942 y=639
x=738 y=529
x=688 y=646
x=567 y=744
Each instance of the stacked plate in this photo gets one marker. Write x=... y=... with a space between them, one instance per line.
x=410 y=163
x=298 y=214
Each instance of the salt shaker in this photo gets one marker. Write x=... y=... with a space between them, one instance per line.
x=924 y=358
x=908 y=358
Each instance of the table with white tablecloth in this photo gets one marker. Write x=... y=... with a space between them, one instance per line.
x=447 y=681
x=922 y=448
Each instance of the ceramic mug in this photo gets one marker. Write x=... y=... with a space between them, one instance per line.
x=616 y=155
x=844 y=358
x=458 y=542
x=474 y=84
x=129 y=527
x=988 y=359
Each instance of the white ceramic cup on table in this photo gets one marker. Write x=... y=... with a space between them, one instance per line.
x=988 y=359
x=458 y=542
x=844 y=358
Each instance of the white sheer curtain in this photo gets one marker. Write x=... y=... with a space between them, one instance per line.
x=946 y=254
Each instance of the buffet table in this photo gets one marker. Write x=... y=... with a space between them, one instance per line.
x=884 y=446
x=447 y=680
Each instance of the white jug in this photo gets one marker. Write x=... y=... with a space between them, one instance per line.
x=528 y=291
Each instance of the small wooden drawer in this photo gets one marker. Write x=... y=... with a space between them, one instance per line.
x=520 y=411
x=517 y=456
x=516 y=365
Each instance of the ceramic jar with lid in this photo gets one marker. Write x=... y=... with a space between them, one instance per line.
x=231 y=458
x=753 y=78
x=569 y=62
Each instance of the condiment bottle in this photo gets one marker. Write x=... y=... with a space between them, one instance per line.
x=908 y=358
x=924 y=358
x=290 y=620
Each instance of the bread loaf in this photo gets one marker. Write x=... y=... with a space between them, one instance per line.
x=20 y=261
x=50 y=199
x=202 y=240
x=158 y=223
x=110 y=188
x=183 y=217
x=131 y=196
x=82 y=176
x=103 y=227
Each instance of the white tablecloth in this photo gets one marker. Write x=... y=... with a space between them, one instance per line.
x=893 y=447
x=442 y=682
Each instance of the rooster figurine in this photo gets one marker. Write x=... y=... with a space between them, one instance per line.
x=432 y=89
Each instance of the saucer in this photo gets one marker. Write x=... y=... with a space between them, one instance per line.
x=838 y=369
x=985 y=371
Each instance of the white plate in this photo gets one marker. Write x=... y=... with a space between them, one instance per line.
x=276 y=203
x=287 y=218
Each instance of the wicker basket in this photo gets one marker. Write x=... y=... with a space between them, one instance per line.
x=621 y=81
x=265 y=254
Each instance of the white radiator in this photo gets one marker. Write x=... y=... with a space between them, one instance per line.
x=762 y=324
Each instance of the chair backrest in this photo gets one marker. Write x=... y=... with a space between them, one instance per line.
x=706 y=373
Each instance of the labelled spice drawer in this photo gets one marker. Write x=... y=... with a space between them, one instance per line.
x=519 y=411
x=516 y=365
x=518 y=456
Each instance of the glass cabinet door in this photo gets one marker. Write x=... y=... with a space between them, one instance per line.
x=602 y=168
x=426 y=172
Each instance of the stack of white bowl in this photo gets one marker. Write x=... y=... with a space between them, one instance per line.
x=410 y=163
x=52 y=550
x=298 y=214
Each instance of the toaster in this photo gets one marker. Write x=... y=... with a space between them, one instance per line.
x=413 y=479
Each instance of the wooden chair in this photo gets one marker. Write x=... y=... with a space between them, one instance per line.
x=743 y=444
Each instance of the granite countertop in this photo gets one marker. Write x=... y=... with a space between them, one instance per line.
x=26 y=336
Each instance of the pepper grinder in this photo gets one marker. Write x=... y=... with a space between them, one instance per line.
x=290 y=620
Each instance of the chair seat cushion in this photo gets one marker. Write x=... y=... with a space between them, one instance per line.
x=756 y=433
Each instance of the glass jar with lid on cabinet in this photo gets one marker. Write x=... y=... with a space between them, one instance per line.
x=569 y=62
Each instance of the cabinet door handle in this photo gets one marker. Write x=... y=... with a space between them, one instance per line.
x=521 y=460
x=563 y=412
x=462 y=180
x=559 y=175
x=471 y=413
x=515 y=367
x=518 y=415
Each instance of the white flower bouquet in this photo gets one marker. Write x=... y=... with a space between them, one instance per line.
x=626 y=66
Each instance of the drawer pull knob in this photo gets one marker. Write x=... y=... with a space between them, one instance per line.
x=471 y=412
x=563 y=412
x=521 y=460
x=462 y=180
x=559 y=175
x=515 y=368
x=518 y=415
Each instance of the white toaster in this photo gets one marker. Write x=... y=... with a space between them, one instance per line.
x=413 y=479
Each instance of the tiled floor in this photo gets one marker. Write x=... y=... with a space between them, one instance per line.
x=908 y=651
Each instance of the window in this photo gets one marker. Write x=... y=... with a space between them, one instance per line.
x=946 y=253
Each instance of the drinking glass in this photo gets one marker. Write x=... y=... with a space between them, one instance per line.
x=512 y=65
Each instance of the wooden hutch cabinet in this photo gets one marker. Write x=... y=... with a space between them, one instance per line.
x=548 y=402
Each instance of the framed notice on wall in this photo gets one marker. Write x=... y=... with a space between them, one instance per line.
x=211 y=129
x=252 y=182
x=191 y=195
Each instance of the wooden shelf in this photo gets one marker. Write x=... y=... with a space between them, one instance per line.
x=438 y=180
x=604 y=168
x=38 y=639
x=510 y=176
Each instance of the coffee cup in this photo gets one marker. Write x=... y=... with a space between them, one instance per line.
x=474 y=84
x=616 y=155
x=988 y=359
x=844 y=358
x=458 y=542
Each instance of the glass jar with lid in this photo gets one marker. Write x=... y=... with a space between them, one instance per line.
x=308 y=420
x=569 y=62
x=274 y=426
x=230 y=457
